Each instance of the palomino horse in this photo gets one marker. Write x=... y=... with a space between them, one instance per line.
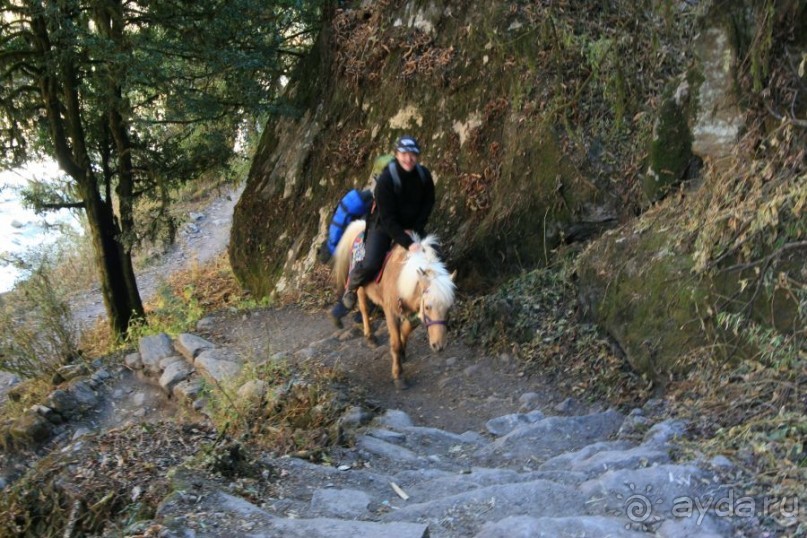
x=411 y=282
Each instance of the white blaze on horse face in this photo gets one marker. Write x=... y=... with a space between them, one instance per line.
x=433 y=315
x=437 y=337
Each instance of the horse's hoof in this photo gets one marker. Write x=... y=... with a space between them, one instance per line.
x=371 y=340
x=400 y=384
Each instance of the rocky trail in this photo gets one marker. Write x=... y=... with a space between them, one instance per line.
x=472 y=449
x=482 y=456
x=475 y=447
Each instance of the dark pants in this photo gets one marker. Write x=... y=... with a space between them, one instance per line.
x=376 y=245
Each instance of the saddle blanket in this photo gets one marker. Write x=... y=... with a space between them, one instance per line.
x=358 y=253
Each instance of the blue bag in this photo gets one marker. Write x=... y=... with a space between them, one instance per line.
x=354 y=205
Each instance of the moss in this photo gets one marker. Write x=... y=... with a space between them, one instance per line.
x=670 y=151
x=640 y=289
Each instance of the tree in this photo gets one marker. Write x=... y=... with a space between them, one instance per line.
x=132 y=98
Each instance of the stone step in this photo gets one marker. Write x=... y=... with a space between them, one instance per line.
x=550 y=437
x=463 y=514
x=657 y=488
x=421 y=488
x=216 y=514
x=335 y=528
x=598 y=458
x=558 y=527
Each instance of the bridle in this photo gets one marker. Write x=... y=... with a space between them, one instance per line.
x=424 y=316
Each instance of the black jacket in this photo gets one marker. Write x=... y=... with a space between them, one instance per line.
x=409 y=210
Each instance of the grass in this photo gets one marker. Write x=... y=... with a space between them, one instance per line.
x=291 y=410
x=37 y=332
x=23 y=395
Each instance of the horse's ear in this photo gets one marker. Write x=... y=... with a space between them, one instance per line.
x=453 y=276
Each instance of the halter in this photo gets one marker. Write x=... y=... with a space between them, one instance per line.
x=426 y=319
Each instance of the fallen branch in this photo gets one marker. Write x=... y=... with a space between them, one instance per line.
x=769 y=258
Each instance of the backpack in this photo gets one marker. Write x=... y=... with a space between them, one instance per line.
x=353 y=205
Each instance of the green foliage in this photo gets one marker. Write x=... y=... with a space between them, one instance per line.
x=171 y=313
x=773 y=348
x=134 y=98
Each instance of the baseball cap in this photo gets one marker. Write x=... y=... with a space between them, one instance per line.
x=407 y=144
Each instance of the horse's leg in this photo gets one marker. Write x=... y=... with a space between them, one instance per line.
x=395 y=348
x=406 y=330
x=365 y=316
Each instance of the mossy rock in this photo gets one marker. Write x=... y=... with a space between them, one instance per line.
x=30 y=429
x=639 y=288
x=506 y=186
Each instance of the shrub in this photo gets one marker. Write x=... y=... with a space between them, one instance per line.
x=37 y=330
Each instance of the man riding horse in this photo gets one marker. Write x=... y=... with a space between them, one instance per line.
x=404 y=199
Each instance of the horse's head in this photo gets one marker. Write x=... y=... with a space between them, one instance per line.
x=437 y=297
x=425 y=281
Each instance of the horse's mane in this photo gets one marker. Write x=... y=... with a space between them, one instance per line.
x=441 y=286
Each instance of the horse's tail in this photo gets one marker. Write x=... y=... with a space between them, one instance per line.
x=344 y=252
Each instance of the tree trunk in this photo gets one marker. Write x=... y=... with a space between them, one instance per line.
x=113 y=261
x=110 y=24
x=60 y=94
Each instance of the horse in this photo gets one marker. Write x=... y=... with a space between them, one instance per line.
x=411 y=282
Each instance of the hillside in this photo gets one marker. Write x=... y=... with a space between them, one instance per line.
x=621 y=187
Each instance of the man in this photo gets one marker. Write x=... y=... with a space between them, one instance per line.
x=400 y=207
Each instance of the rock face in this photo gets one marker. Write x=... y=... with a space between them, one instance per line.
x=508 y=183
x=482 y=86
x=657 y=284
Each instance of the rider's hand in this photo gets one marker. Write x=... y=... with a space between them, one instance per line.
x=415 y=247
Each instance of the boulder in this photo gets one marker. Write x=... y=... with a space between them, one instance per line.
x=174 y=373
x=188 y=389
x=217 y=365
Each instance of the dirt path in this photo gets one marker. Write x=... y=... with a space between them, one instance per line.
x=456 y=390
x=203 y=237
